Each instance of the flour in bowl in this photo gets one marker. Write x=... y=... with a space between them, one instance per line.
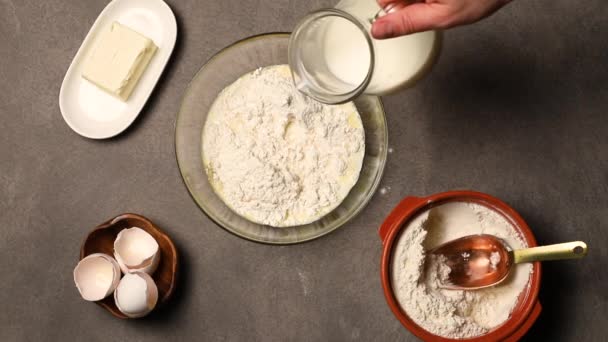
x=416 y=279
x=277 y=157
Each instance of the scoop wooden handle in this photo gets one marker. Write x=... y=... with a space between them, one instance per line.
x=560 y=251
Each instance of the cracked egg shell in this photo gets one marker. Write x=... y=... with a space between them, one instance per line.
x=136 y=251
x=96 y=276
x=136 y=294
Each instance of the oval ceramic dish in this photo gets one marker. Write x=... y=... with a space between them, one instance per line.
x=528 y=307
x=101 y=240
x=90 y=111
x=220 y=71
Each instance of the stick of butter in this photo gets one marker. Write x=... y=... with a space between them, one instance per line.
x=118 y=60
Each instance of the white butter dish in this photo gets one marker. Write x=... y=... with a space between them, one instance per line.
x=94 y=113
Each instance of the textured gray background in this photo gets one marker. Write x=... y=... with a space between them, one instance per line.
x=516 y=107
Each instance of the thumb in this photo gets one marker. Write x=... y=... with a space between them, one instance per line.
x=411 y=19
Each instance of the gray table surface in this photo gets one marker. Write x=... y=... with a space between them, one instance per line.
x=516 y=107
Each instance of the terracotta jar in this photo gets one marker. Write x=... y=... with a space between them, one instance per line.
x=528 y=307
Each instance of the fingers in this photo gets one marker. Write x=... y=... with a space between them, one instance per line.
x=410 y=19
x=384 y=3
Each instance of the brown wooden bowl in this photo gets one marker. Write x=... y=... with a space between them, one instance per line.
x=101 y=240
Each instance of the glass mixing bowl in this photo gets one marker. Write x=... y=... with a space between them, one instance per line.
x=219 y=72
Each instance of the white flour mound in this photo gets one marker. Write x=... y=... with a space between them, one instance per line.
x=277 y=157
x=453 y=313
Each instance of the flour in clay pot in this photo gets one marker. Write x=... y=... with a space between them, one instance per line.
x=416 y=279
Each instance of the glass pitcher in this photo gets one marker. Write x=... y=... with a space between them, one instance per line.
x=334 y=58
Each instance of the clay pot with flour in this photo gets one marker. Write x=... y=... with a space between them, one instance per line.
x=527 y=308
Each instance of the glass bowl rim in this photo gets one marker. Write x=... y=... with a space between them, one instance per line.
x=361 y=205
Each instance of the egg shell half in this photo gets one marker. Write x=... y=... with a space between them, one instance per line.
x=136 y=250
x=136 y=294
x=96 y=276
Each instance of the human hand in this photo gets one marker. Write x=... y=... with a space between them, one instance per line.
x=411 y=16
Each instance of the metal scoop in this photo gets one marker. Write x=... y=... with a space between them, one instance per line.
x=479 y=261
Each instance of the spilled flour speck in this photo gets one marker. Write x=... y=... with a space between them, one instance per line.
x=305 y=281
